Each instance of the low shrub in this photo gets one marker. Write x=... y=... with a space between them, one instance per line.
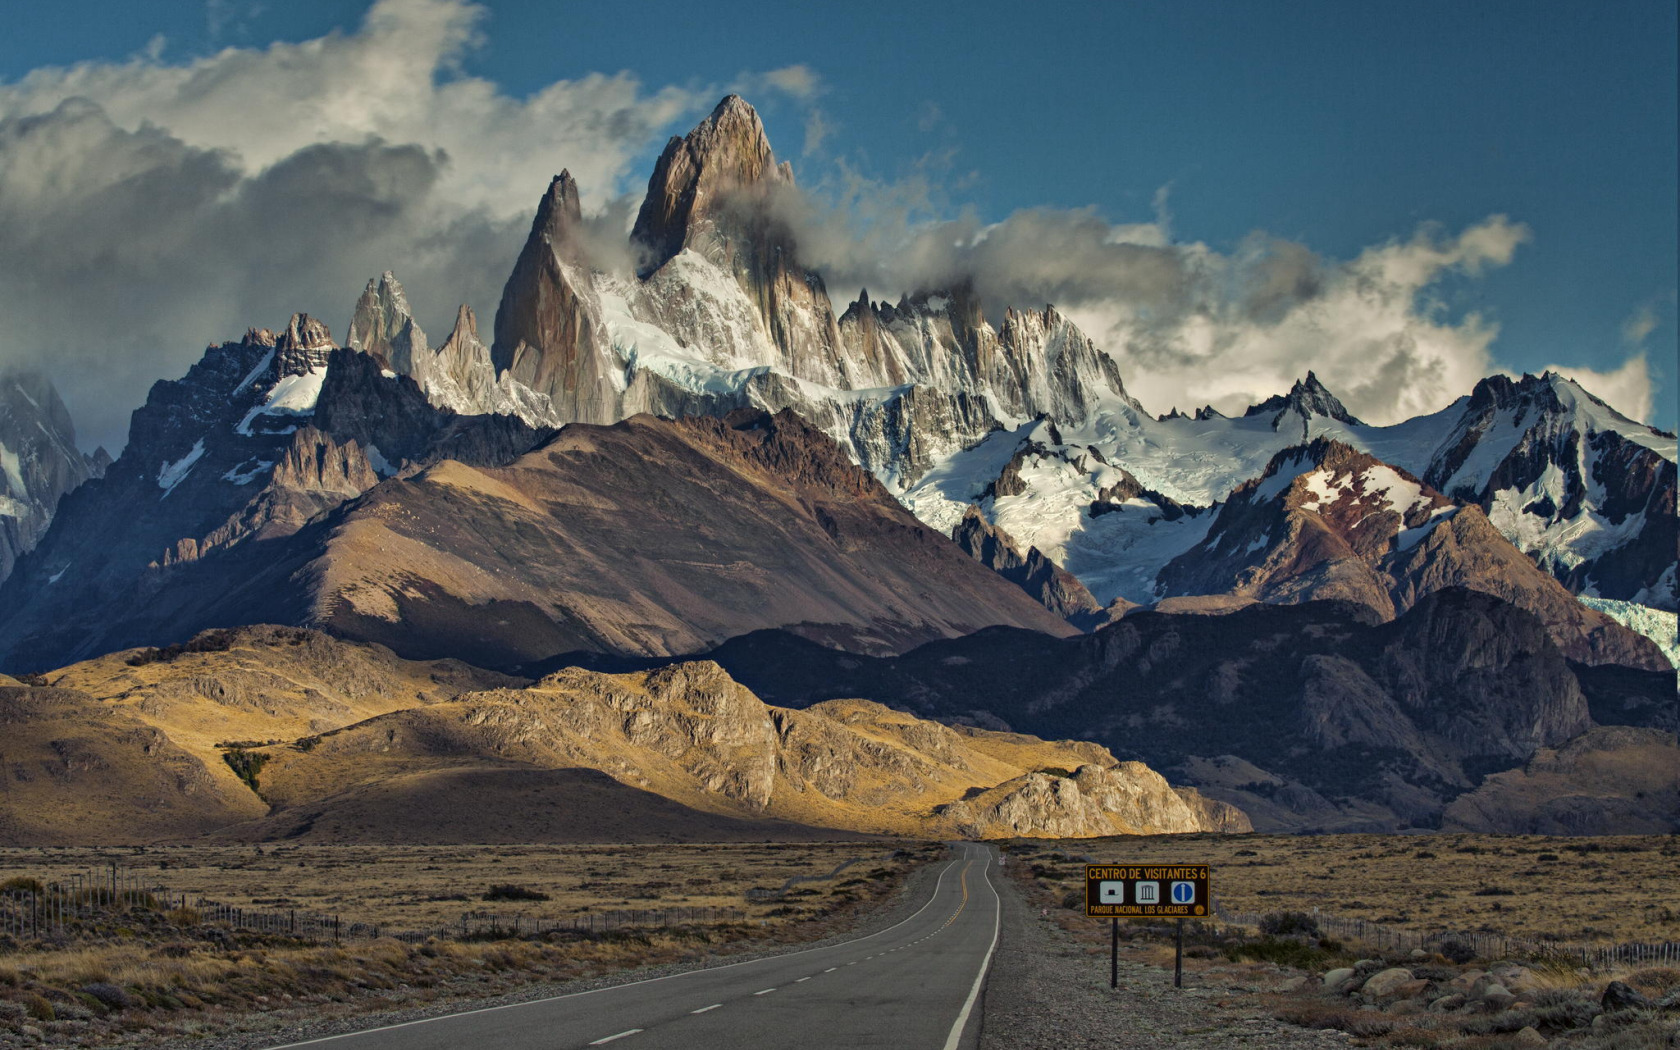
x=1289 y=923
x=1282 y=952
x=246 y=765
x=210 y=641
x=511 y=892
x=109 y=995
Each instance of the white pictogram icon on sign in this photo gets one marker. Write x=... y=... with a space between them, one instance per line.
x=1111 y=892
x=1148 y=893
x=1184 y=893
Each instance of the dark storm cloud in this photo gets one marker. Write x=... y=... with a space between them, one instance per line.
x=129 y=251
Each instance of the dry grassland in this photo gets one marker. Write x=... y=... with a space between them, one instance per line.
x=165 y=979
x=1587 y=890
x=1462 y=1005
x=420 y=887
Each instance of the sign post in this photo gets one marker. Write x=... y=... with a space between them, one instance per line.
x=1167 y=891
x=1114 y=955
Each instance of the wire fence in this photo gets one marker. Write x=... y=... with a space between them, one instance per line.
x=762 y=894
x=86 y=905
x=1483 y=944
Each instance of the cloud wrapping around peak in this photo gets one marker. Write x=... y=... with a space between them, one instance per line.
x=149 y=208
x=1188 y=324
x=1626 y=389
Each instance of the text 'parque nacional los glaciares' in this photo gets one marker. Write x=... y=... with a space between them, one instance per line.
x=1147 y=891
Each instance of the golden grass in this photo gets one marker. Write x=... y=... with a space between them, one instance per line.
x=1586 y=890
x=421 y=887
x=181 y=980
x=1556 y=999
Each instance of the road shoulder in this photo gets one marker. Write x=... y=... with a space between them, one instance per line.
x=1049 y=991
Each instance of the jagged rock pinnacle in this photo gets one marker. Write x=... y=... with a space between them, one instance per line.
x=303 y=346
x=559 y=214
x=548 y=327
x=383 y=325
x=727 y=151
x=1307 y=397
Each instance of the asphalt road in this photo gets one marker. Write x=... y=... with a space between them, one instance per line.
x=913 y=986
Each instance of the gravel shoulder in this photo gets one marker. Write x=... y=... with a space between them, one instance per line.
x=1049 y=990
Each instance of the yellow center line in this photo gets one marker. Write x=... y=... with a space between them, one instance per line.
x=964 y=903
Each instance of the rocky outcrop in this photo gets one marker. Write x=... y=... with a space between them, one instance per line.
x=39 y=462
x=1318 y=714
x=691 y=734
x=1091 y=801
x=383 y=325
x=261 y=436
x=1613 y=780
x=1306 y=399
x=1586 y=492
x=650 y=538
x=671 y=751
x=1328 y=522
x=1215 y=815
x=303 y=347
x=1046 y=582
x=549 y=334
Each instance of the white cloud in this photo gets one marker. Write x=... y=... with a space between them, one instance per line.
x=1639 y=325
x=800 y=82
x=1627 y=389
x=386 y=81
x=816 y=129
x=1188 y=324
x=151 y=207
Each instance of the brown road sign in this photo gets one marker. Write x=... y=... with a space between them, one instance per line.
x=1136 y=891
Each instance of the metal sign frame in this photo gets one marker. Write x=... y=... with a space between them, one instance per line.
x=1148 y=891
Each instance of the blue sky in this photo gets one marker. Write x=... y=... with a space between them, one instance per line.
x=1334 y=129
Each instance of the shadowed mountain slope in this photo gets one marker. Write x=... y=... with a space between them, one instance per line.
x=647 y=537
x=279 y=733
x=1340 y=721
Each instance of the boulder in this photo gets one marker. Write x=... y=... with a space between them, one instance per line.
x=1386 y=983
x=1335 y=979
x=1618 y=996
x=1448 y=1003
x=1516 y=978
x=1528 y=1037
x=1497 y=998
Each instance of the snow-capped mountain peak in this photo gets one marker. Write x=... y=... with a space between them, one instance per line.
x=1306 y=399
